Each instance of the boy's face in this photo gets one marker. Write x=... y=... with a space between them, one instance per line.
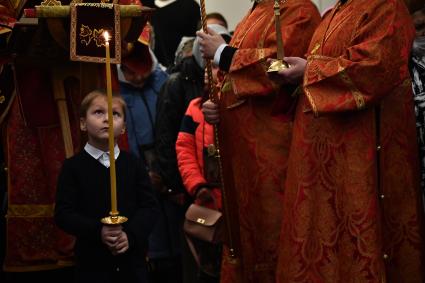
x=96 y=121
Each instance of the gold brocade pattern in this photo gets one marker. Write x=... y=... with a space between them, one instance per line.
x=355 y=92
x=30 y=210
x=34 y=156
x=314 y=50
x=256 y=126
x=311 y=101
x=343 y=220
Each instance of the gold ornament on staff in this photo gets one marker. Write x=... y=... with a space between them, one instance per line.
x=278 y=64
x=114 y=218
x=207 y=61
x=214 y=149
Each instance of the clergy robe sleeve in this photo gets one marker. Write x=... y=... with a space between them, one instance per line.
x=366 y=71
x=247 y=72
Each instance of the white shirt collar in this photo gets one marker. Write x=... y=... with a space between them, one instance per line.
x=100 y=155
x=163 y=3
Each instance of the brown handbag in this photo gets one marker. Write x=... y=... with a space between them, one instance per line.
x=204 y=224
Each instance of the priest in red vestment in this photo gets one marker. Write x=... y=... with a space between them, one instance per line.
x=255 y=132
x=352 y=206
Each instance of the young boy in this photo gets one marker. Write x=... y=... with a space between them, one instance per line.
x=105 y=253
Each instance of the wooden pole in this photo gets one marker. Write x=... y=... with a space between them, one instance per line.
x=60 y=98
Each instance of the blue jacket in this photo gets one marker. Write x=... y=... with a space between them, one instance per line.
x=141 y=108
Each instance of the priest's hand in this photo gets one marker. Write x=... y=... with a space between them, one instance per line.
x=211 y=113
x=295 y=73
x=209 y=43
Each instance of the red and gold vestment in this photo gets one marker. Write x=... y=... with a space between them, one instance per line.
x=352 y=208
x=256 y=126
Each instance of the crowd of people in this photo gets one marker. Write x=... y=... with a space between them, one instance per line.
x=321 y=164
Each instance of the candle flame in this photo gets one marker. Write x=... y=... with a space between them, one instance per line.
x=106 y=36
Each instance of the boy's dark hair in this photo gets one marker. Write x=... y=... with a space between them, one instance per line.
x=88 y=100
x=217 y=16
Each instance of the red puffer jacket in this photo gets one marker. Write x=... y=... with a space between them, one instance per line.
x=194 y=135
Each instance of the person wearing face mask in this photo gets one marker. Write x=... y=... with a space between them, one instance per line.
x=417 y=69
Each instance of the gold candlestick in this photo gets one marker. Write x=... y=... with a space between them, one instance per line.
x=114 y=217
x=278 y=64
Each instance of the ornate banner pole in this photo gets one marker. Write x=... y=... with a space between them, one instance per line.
x=215 y=149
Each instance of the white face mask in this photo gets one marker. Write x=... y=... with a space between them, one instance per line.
x=418 y=48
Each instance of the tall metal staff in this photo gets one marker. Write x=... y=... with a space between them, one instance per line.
x=216 y=148
x=278 y=64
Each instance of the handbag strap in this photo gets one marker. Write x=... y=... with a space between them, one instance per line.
x=193 y=250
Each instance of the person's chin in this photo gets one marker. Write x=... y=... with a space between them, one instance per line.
x=103 y=137
x=138 y=85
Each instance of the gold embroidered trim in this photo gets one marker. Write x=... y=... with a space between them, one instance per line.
x=310 y=99
x=264 y=34
x=335 y=10
x=41 y=267
x=316 y=47
x=261 y=54
x=30 y=210
x=407 y=83
x=227 y=86
x=319 y=57
x=233 y=86
x=5 y=30
x=334 y=28
x=358 y=97
x=308 y=94
x=86 y=30
x=236 y=104
x=238 y=41
x=51 y=3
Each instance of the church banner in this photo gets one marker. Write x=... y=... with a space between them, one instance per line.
x=89 y=22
